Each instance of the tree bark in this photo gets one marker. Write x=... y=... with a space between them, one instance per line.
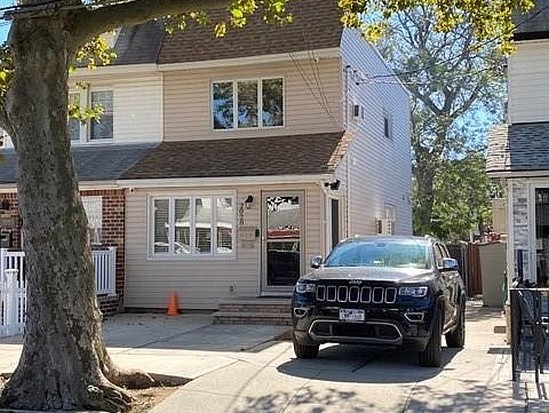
x=64 y=364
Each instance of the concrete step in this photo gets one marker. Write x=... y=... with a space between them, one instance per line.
x=255 y=307
x=261 y=318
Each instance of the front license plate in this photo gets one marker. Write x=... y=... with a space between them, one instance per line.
x=351 y=315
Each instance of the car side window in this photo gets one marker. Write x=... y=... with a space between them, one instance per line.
x=444 y=250
x=438 y=256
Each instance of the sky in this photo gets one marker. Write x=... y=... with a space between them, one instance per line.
x=4 y=25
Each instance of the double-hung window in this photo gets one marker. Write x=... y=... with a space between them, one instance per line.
x=245 y=104
x=93 y=205
x=193 y=226
x=103 y=127
x=94 y=129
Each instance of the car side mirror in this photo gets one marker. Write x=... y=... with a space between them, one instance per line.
x=449 y=264
x=316 y=261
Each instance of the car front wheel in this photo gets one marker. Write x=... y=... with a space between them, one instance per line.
x=303 y=351
x=431 y=356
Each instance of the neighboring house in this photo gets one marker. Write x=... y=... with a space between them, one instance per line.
x=257 y=152
x=518 y=152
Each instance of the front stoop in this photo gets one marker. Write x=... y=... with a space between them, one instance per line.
x=263 y=311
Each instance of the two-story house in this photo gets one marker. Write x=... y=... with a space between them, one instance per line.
x=518 y=152
x=253 y=153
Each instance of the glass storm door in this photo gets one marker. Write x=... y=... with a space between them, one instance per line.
x=282 y=241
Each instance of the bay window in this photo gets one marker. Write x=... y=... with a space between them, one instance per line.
x=193 y=226
x=245 y=104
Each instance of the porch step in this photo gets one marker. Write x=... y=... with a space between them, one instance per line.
x=230 y=317
x=271 y=311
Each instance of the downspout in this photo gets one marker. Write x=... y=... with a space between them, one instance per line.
x=326 y=197
x=348 y=183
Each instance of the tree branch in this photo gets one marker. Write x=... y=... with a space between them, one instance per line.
x=89 y=23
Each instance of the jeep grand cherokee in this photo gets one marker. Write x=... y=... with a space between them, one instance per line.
x=389 y=291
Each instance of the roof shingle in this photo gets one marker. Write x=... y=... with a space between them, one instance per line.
x=535 y=24
x=97 y=163
x=518 y=147
x=281 y=155
x=316 y=25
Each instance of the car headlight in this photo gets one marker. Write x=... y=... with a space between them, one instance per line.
x=416 y=291
x=305 y=287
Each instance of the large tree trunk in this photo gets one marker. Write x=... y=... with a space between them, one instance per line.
x=64 y=364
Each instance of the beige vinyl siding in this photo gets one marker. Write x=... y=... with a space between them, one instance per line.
x=528 y=90
x=138 y=110
x=202 y=284
x=187 y=99
x=137 y=105
x=376 y=169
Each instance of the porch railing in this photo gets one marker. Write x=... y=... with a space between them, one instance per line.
x=104 y=262
x=13 y=285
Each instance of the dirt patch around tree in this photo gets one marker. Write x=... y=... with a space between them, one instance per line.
x=145 y=399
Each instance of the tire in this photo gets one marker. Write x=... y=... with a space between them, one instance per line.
x=456 y=337
x=303 y=351
x=431 y=356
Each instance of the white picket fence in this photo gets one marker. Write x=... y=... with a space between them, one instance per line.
x=13 y=285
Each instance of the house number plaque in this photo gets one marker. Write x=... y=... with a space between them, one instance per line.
x=246 y=234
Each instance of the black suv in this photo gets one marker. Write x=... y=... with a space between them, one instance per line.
x=390 y=291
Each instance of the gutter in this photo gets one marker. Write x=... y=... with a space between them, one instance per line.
x=223 y=181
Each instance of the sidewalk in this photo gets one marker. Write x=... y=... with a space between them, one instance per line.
x=185 y=346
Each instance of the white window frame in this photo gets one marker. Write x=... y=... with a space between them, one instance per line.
x=86 y=200
x=85 y=128
x=213 y=255
x=259 y=81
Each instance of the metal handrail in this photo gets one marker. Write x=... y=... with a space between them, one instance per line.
x=527 y=315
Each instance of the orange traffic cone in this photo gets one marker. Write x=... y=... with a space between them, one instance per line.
x=172 y=305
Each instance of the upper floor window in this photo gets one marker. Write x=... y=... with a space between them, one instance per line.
x=387 y=125
x=247 y=104
x=103 y=127
x=92 y=130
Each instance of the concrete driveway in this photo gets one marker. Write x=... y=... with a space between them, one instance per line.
x=360 y=379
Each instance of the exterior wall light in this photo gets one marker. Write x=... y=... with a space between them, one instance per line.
x=249 y=201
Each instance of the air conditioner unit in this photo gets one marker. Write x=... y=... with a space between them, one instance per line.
x=385 y=226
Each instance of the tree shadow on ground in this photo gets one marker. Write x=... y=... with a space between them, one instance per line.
x=465 y=396
x=398 y=366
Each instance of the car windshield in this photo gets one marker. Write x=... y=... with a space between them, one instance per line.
x=375 y=253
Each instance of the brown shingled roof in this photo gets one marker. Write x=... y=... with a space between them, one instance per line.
x=316 y=25
x=279 y=155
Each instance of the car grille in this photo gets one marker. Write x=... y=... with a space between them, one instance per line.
x=356 y=294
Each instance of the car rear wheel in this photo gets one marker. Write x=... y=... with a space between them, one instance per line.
x=431 y=356
x=303 y=351
x=456 y=337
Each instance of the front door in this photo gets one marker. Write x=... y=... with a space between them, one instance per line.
x=282 y=241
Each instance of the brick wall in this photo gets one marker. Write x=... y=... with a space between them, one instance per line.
x=12 y=220
x=114 y=229
x=112 y=234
